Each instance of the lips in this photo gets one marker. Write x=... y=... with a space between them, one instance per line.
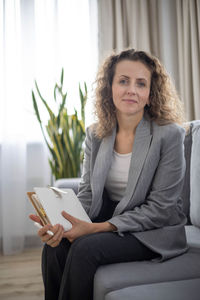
x=129 y=100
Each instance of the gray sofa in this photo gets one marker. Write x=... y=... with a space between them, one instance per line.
x=175 y=279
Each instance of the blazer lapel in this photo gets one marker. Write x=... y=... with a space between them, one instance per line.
x=141 y=146
x=100 y=171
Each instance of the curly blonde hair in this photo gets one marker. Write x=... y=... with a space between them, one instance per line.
x=165 y=106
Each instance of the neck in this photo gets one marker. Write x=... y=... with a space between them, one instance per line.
x=128 y=124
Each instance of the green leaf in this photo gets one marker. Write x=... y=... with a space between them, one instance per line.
x=36 y=108
x=51 y=114
x=83 y=99
x=85 y=88
x=62 y=106
x=39 y=119
x=62 y=76
x=54 y=92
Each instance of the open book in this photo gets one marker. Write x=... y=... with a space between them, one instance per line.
x=49 y=202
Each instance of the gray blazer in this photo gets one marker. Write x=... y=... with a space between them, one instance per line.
x=151 y=208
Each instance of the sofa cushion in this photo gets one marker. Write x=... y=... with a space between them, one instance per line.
x=117 y=276
x=195 y=175
x=176 y=290
x=193 y=236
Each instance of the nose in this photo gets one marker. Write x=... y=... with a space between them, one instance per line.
x=131 y=90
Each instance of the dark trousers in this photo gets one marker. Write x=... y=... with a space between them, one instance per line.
x=68 y=269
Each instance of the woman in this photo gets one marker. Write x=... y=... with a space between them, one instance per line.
x=131 y=183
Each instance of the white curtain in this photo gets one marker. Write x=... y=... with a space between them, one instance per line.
x=37 y=39
x=188 y=27
x=169 y=29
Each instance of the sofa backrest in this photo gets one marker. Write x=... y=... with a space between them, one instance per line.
x=195 y=175
x=190 y=194
x=186 y=187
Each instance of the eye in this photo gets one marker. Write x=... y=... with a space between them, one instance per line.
x=141 y=84
x=123 y=81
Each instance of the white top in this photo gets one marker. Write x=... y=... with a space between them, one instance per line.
x=117 y=178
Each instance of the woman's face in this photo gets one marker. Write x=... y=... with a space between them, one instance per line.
x=131 y=87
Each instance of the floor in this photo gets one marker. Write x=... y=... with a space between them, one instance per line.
x=20 y=276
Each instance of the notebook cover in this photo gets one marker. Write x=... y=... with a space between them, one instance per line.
x=54 y=205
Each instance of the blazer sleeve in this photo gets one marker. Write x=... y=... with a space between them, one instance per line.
x=85 y=193
x=161 y=207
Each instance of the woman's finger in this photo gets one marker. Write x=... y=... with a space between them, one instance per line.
x=56 y=243
x=44 y=229
x=58 y=235
x=69 y=217
x=55 y=240
x=35 y=219
x=46 y=238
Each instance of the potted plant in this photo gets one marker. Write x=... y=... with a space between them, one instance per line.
x=64 y=134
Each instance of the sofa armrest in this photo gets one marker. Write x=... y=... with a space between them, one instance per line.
x=68 y=183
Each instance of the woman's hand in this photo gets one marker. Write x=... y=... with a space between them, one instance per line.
x=50 y=240
x=80 y=227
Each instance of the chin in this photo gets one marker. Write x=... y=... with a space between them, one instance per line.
x=134 y=113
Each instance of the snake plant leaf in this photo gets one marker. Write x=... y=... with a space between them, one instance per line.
x=36 y=108
x=58 y=141
x=83 y=99
x=62 y=76
x=68 y=141
x=82 y=127
x=81 y=96
x=55 y=138
x=57 y=156
x=52 y=166
x=51 y=114
x=39 y=119
x=54 y=92
x=62 y=105
x=85 y=85
x=70 y=152
x=63 y=102
x=54 y=161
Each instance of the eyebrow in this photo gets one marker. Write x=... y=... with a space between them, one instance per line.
x=124 y=76
x=139 y=79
